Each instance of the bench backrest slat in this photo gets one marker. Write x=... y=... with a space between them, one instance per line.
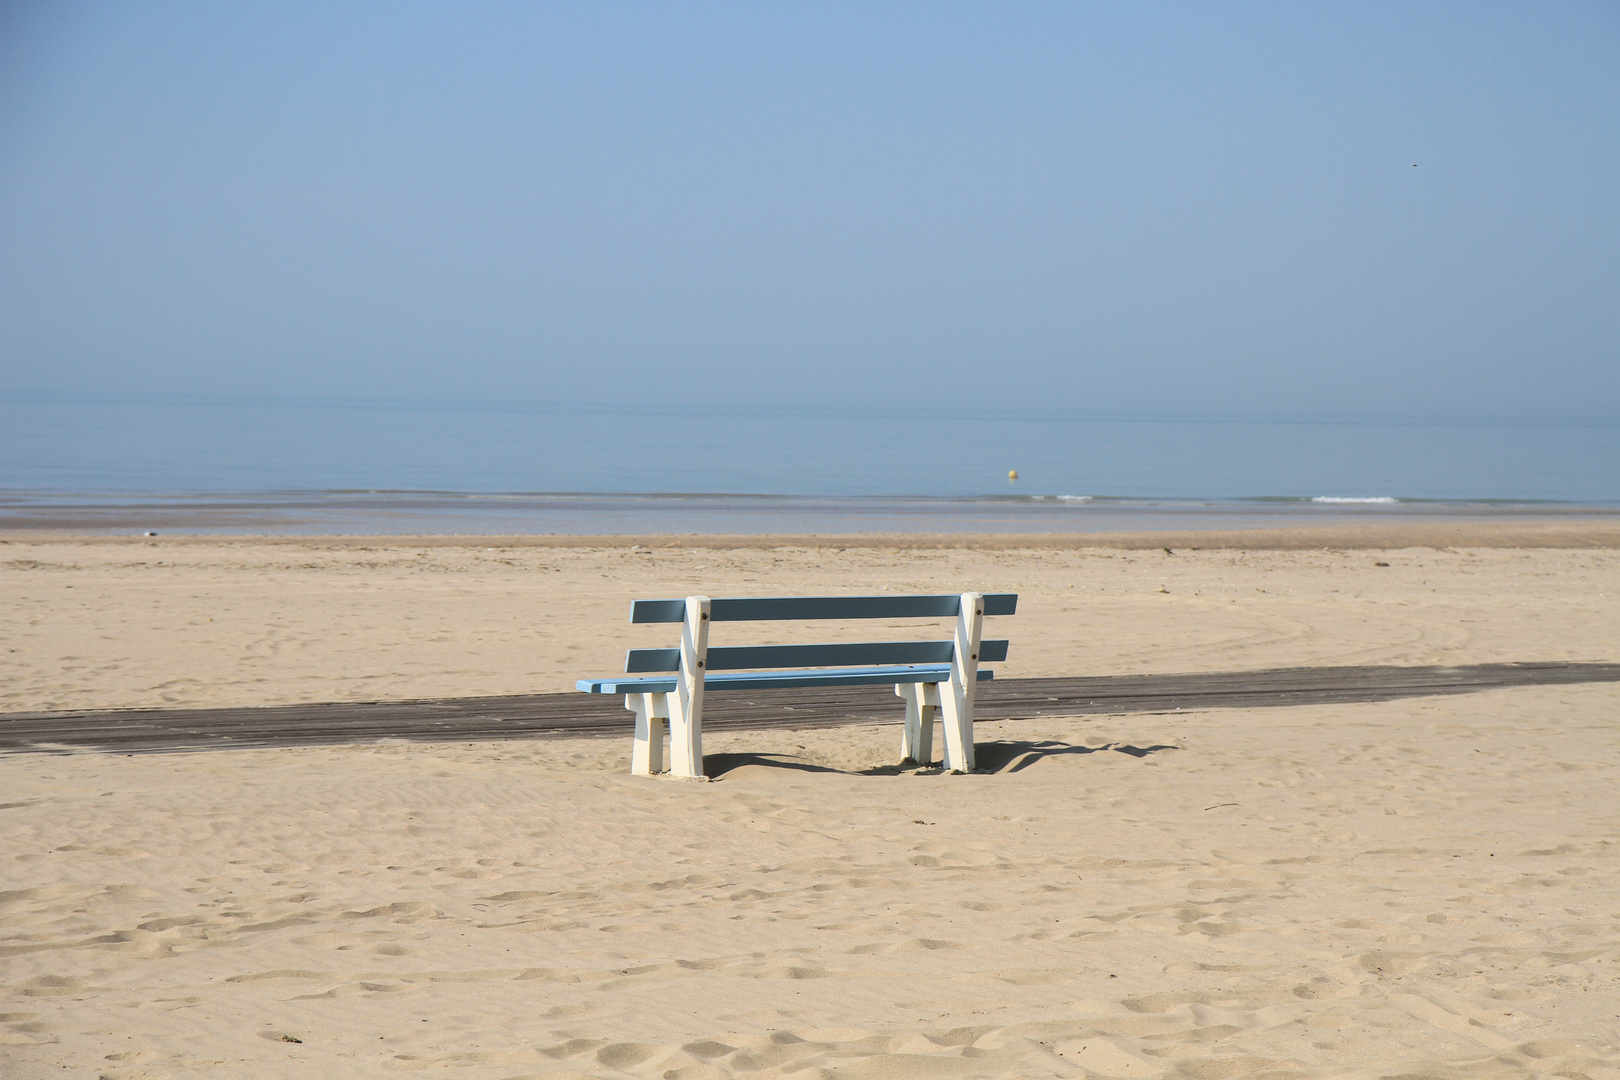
x=739 y=658
x=780 y=608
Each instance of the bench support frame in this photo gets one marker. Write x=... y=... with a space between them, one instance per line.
x=681 y=708
x=954 y=705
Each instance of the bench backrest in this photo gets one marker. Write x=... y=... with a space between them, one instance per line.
x=807 y=608
x=785 y=608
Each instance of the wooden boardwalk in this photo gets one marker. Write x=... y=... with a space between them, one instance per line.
x=543 y=716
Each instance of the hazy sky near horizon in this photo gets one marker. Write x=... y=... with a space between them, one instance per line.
x=1340 y=209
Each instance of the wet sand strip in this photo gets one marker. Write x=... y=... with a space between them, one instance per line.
x=1578 y=527
x=540 y=716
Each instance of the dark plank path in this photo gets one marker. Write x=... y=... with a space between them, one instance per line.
x=542 y=716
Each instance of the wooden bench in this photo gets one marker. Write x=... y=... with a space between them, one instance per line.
x=918 y=669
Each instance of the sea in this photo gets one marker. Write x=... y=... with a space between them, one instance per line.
x=246 y=465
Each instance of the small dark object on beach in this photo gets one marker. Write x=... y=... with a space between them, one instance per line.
x=1380 y=564
x=151 y=534
x=1167 y=551
x=291 y=1038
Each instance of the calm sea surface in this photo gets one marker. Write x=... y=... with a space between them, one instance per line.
x=256 y=465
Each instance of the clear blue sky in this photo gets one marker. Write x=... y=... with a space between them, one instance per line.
x=1356 y=209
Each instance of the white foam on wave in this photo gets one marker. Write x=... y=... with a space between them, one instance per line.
x=1350 y=499
x=1072 y=498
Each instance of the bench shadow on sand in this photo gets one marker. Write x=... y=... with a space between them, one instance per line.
x=1016 y=755
x=717 y=765
x=1001 y=756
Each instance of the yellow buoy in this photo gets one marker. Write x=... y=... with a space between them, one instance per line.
x=1012 y=474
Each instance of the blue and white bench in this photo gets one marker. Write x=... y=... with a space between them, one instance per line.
x=932 y=676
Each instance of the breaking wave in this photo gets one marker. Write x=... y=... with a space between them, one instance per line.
x=1380 y=499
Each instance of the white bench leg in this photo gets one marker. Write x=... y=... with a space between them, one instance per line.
x=917 y=738
x=956 y=702
x=686 y=703
x=647 y=749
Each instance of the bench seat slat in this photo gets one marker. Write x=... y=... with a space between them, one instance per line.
x=736 y=658
x=772 y=680
x=779 y=608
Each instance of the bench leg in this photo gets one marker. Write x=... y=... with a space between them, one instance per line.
x=956 y=700
x=957 y=721
x=917 y=738
x=686 y=702
x=685 y=741
x=647 y=749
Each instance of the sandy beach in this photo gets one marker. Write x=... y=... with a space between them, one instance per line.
x=197 y=621
x=1424 y=887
